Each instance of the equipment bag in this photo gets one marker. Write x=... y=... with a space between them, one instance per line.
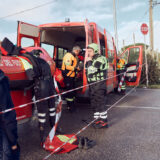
x=56 y=145
x=59 y=77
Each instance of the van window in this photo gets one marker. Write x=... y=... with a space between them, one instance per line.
x=49 y=48
x=102 y=46
x=133 y=55
x=60 y=54
x=27 y=42
x=110 y=51
x=125 y=55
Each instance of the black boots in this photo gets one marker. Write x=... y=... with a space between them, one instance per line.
x=43 y=135
x=85 y=143
x=81 y=143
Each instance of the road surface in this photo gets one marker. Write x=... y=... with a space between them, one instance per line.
x=134 y=132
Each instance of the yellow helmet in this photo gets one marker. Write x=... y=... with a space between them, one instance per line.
x=94 y=46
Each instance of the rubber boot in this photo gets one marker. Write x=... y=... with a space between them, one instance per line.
x=43 y=135
x=42 y=138
x=88 y=143
x=81 y=143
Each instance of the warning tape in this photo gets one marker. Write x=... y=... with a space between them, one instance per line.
x=123 y=97
x=121 y=82
x=84 y=128
x=58 y=148
x=53 y=96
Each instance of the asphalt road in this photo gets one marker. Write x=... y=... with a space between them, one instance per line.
x=134 y=132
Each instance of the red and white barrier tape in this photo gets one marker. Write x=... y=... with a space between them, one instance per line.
x=58 y=148
x=85 y=127
x=46 y=98
x=121 y=82
x=58 y=113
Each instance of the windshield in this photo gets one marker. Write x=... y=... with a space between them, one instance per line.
x=133 y=55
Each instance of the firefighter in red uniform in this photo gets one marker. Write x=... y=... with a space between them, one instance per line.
x=69 y=68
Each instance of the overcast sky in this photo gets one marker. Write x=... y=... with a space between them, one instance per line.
x=130 y=15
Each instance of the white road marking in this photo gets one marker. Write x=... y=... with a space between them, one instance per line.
x=144 y=89
x=141 y=107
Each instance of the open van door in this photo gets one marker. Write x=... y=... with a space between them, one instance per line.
x=28 y=31
x=111 y=70
x=88 y=41
x=134 y=57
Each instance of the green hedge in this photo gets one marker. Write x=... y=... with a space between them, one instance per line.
x=153 y=71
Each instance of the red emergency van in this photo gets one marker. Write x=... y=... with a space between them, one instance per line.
x=54 y=40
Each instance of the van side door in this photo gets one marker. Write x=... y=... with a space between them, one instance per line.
x=134 y=57
x=88 y=41
x=110 y=55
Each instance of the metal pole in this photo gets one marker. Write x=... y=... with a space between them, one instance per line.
x=157 y=57
x=134 y=39
x=146 y=60
x=123 y=45
x=151 y=27
x=134 y=42
x=115 y=24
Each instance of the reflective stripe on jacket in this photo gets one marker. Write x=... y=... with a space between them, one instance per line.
x=26 y=64
x=59 y=140
x=69 y=64
x=97 y=68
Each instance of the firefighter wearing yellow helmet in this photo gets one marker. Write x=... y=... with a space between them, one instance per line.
x=96 y=67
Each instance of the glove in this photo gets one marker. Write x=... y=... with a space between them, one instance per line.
x=16 y=153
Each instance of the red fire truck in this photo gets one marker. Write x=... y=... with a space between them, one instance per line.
x=54 y=40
